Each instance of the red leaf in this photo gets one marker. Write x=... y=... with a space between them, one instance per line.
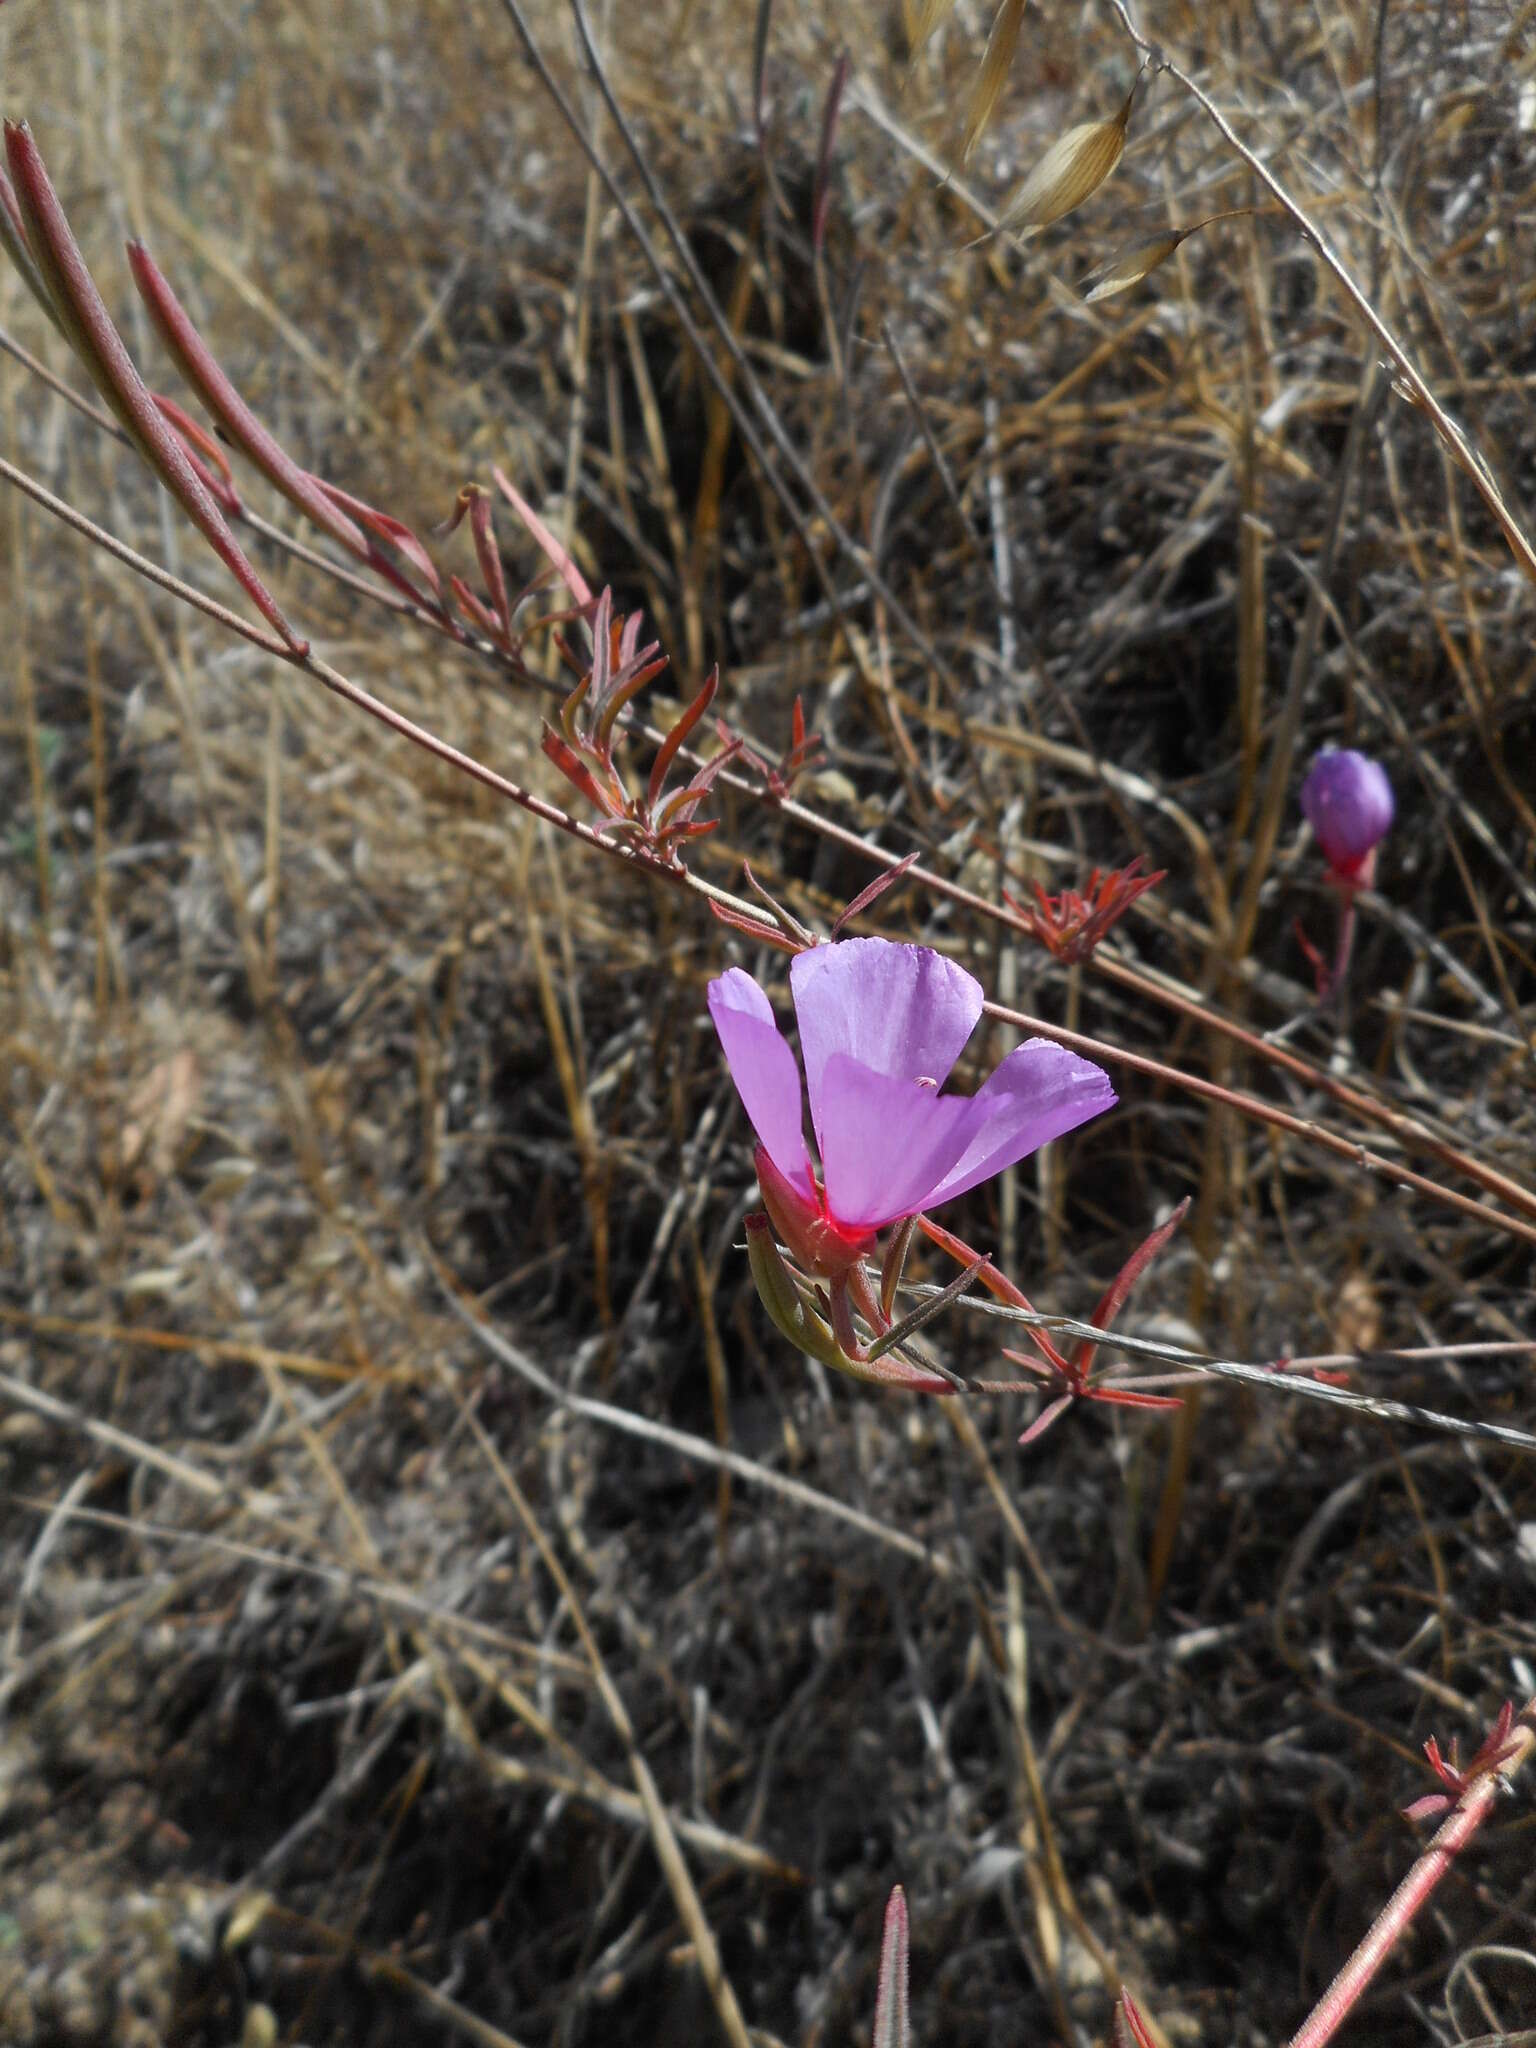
x=759 y=930
x=668 y=751
x=1043 y=1421
x=1427 y=1808
x=483 y=532
x=395 y=531
x=201 y=449
x=576 y=771
x=474 y=610
x=893 y=2026
x=13 y=238
x=574 y=581
x=1126 y=1397
x=873 y=891
x=1115 y=1294
x=1131 y=2030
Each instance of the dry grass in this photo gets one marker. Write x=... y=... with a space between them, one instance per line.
x=388 y=1653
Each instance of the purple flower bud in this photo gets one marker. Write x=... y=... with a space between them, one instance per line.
x=1348 y=802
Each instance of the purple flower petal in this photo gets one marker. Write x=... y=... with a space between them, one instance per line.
x=764 y=1070
x=887 y=1142
x=1039 y=1092
x=902 y=1011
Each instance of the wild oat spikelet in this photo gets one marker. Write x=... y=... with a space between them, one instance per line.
x=1072 y=170
x=995 y=66
x=1130 y=264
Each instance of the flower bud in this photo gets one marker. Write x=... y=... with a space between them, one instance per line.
x=1348 y=802
x=776 y=1289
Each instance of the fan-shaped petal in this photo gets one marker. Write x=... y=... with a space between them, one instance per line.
x=904 y=1012
x=886 y=1142
x=1039 y=1092
x=764 y=1071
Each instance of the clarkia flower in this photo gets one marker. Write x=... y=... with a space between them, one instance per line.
x=1348 y=802
x=881 y=1026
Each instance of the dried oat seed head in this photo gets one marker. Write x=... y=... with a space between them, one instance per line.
x=1072 y=170
x=1130 y=264
x=922 y=20
x=995 y=66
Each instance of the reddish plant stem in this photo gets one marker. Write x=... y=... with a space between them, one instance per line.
x=1406 y=1129
x=1471 y=1810
x=364 y=700
x=746 y=914
x=1265 y=1112
x=1095 y=1048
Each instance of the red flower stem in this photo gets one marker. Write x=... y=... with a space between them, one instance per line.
x=1346 y=942
x=1471 y=1810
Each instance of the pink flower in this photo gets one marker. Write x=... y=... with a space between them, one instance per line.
x=881 y=1026
x=1348 y=802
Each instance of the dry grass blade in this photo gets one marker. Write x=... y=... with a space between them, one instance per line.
x=1072 y=170
x=993 y=75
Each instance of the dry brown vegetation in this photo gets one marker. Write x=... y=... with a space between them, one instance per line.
x=369 y=1180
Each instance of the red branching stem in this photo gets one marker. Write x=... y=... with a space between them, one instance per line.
x=210 y=381
x=83 y=317
x=1472 y=1809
